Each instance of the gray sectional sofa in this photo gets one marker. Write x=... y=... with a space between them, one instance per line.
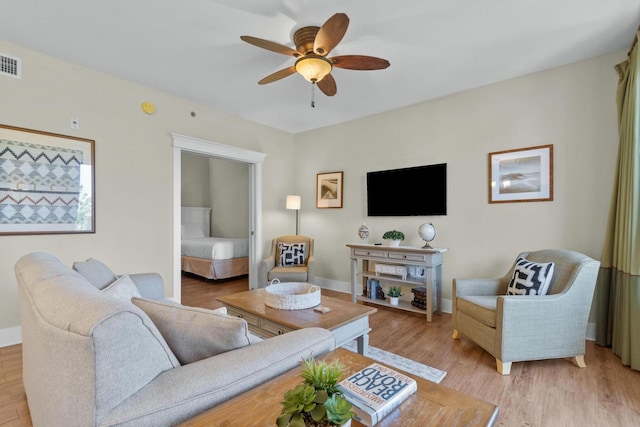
x=94 y=359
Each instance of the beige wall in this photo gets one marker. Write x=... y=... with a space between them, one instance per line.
x=134 y=175
x=222 y=185
x=571 y=107
x=229 y=190
x=195 y=180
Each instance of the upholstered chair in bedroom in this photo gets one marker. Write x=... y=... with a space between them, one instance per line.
x=529 y=323
x=291 y=260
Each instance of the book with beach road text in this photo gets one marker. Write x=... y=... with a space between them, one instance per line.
x=375 y=391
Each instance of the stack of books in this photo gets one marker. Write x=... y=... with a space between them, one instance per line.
x=375 y=391
x=373 y=287
x=419 y=297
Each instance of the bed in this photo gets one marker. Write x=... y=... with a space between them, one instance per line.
x=210 y=257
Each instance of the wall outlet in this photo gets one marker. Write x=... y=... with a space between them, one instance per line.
x=75 y=123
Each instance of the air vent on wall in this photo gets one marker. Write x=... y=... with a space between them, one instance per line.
x=10 y=66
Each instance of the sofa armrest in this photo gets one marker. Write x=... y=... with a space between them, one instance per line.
x=179 y=394
x=311 y=269
x=150 y=285
x=263 y=271
x=553 y=322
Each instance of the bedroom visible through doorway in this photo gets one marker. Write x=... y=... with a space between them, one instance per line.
x=224 y=161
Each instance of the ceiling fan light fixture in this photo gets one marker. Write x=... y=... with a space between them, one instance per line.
x=313 y=68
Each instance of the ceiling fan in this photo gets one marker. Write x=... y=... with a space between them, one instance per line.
x=313 y=44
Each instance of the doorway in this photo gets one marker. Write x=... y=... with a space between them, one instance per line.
x=254 y=159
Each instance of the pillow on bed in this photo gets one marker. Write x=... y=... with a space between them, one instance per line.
x=195 y=333
x=291 y=254
x=192 y=231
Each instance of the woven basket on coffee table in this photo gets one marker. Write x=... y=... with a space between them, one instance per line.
x=291 y=295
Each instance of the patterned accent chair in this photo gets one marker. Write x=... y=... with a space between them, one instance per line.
x=272 y=268
x=515 y=328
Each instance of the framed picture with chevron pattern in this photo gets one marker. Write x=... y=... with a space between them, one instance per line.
x=47 y=182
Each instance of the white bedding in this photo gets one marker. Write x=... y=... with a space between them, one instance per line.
x=215 y=248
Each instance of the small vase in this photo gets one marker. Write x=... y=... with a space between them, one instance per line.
x=394 y=300
x=394 y=243
x=363 y=232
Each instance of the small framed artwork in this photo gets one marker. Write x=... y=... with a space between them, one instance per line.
x=522 y=175
x=329 y=190
x=47 y=182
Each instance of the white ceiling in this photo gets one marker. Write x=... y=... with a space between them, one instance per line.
x=192 y=48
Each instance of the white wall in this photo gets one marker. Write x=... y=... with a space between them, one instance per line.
x=133 y=165
x=571 y=107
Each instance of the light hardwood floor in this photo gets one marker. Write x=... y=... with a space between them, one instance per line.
x=542 y=393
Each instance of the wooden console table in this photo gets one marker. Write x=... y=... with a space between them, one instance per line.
x=428 y=259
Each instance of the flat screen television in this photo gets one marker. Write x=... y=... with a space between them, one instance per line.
x=420 y=190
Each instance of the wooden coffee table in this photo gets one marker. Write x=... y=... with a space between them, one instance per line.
x=347 y=321
x=431 y=405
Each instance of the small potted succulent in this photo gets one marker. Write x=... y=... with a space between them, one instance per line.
x=394 y=237
x=317 y=401
x=394 y=293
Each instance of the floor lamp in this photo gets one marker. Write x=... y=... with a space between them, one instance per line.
x=293 y=202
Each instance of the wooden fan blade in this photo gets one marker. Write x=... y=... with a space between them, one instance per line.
x=330 y=34
x=272 y=46
x=359 y=62
x=328 y=85
x=278 y=75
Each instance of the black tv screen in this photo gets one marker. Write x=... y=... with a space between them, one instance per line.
x=420 y=190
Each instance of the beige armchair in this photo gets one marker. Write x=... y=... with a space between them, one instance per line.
x=271 y=267
x=514 y=328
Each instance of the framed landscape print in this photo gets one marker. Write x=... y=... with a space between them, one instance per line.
x=522 y=175
x=46 y=182
x=329 y=190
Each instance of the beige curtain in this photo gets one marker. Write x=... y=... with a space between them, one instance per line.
x=618 y=288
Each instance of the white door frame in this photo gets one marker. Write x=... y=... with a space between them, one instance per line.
x=254 y=159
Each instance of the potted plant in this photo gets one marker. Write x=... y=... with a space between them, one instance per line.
x=394 y=293
x=394 y=237
x=317 y=401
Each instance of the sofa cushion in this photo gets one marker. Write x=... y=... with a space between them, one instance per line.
x=195 y=333
x=96 y=272
x=288 y=274
x=530 y=278
x=123 y=288
x=291 y=254
x=481 y=308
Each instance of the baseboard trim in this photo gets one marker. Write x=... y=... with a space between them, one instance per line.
x=10 y=336
x=591 y=331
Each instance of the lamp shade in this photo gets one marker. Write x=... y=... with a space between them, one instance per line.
x=313 y=68
x=293 y=202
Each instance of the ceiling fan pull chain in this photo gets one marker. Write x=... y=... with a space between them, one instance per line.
x=313 y=94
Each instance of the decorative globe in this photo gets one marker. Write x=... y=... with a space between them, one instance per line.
x=427 y=232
